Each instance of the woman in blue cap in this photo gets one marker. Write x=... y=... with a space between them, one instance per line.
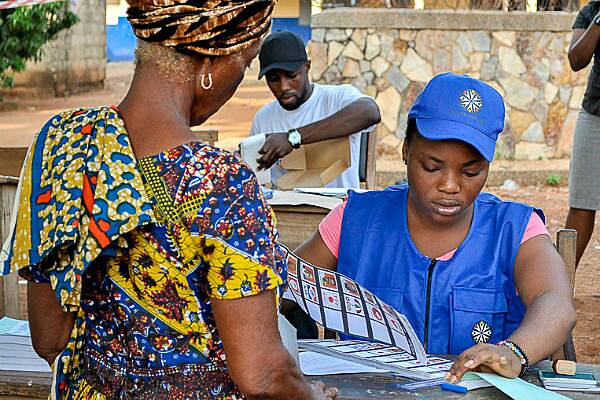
x=475 y=276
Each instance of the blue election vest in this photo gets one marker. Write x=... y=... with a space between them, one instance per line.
x=454 y=304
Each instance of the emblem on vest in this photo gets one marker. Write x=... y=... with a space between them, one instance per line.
x=471 y=101
x=481 y=332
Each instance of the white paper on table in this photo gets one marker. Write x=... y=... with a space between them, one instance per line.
x=249 y=152
x=16 y=327
x=291 y=198
x=332 y=192
x=17 y=354
x=312 y=363
x=289 y=336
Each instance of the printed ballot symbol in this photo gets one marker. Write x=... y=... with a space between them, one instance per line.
x=395 y=324
x=308 y=274
x=331 y=299
x=376 y=313
x=369 y=297
x=293 y=283
x=328 y=280
x=310 y=292
x=350 y=287
x=292 y=265
x=388 y=309
x=353 y=305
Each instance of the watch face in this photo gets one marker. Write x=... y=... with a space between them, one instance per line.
x=294 y=138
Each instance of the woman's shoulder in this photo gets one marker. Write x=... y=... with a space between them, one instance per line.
x=490 y=198
x=82 y=116
x=216 y=161
x=491 y=201
x=206 y=169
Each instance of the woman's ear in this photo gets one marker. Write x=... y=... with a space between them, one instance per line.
x=405 y=146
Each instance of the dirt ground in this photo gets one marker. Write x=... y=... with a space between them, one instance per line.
x=23 y=116
x=554 y=200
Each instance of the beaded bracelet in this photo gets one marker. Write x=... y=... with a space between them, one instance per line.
x=519 y=352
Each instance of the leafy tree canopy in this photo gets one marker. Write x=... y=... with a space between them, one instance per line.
x=23 y=32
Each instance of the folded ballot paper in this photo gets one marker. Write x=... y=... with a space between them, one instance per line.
x=341 y=304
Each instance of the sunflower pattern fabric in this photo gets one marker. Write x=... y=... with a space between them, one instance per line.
x=208 y=27
x=200 y=229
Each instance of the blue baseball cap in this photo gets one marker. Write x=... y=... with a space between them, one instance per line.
x=462 y=108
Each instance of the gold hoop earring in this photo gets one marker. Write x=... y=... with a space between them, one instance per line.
x=210 y=81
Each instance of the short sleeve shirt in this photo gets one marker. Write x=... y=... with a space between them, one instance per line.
x=148 y=309
x=591 y=99
x=324 y=101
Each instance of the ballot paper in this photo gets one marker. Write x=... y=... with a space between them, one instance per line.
x=249 y=152
x=16 y=350
x=340 y=193
x=16 y=327
x=288 y=336
x=313 y=363
x=377 y=356
x=341 y=304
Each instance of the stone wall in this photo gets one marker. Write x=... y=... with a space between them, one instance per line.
x=391 y=54
x=74 y=61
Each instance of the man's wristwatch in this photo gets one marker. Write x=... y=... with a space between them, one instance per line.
x=295 y=138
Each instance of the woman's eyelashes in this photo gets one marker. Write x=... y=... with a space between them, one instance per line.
x=431 y=169
x=472 y=174
x=468 y=173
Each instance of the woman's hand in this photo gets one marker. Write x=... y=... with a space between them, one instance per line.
x=485 y=358
x=323 y=393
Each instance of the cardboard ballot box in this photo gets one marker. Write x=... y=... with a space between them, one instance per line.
x=315 y=164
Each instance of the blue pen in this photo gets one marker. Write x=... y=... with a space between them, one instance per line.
x=453 y=388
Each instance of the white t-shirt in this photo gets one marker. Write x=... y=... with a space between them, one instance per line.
x=324 y=101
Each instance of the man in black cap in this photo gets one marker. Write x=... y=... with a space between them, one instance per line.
x=306 y=112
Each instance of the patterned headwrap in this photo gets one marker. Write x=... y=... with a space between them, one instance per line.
x=214 y=28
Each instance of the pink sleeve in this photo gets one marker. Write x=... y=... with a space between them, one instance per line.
x=535 y=227
x=330 y=228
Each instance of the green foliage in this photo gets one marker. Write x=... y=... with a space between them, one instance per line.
x=553 y=180
x=23 y=32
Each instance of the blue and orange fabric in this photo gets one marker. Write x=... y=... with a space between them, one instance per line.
x=138 y=248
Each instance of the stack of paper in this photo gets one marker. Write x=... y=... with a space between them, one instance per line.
x=16 y=350
x=579 y=382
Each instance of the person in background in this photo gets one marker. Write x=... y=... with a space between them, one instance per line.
x=584 y=181
x=475 y=276
x=306 y=112
x=152 y=257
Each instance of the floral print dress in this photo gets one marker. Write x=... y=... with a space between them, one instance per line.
x=152 y=242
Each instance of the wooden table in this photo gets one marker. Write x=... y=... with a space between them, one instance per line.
x=298 y=215
x=30 y=386
x=371 y=386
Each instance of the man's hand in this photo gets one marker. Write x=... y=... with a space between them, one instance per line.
x=485 y=358
x=276 y=146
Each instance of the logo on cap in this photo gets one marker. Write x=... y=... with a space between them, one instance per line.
x=471 y=101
